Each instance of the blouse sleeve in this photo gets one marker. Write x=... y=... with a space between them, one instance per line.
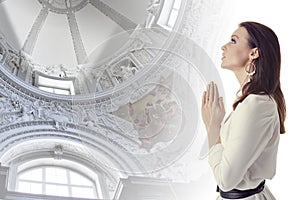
x=250 y=130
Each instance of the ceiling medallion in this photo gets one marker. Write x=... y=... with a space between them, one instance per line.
x=64 y=6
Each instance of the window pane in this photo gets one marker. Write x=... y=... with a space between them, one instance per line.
x=77 y=179
x=57 y=181
x=54 y=90
x=57 y=190
x=58 y=91
x=54 y=83
x=177 y=4
x=65 y=87
x=83 y=192
x=32 y=175
x=46 y=89
x=173 y=17
x=27 y=187
x=56 y=175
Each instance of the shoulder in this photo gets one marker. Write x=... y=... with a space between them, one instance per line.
x=258 y=104
x=258 y=100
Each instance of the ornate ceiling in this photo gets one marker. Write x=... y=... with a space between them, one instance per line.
x=54 y=32
x=141 y=119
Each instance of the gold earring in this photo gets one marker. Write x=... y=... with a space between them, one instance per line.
x=250 y=66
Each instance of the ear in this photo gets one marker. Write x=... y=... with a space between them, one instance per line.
x=254 y=53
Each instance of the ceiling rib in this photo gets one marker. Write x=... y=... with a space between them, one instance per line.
x=117 y=17
x=79 y=49
x=34 y=32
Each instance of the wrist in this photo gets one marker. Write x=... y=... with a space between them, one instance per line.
x=213 y=134
x=214 y=125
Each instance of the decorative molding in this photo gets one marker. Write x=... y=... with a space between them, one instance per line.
x=30 y=151
x=65 y=6
x=154 y=7
x=58 y=152
x=102 y=74
x=97 y=148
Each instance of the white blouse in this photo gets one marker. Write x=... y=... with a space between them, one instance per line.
x=249 y=143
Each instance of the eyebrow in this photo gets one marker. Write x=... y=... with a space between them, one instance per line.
x=235 y=36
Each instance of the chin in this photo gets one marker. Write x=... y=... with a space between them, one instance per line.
x=225 y=67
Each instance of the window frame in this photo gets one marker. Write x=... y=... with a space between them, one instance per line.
x=37 y=76
x=44 y=182
x=165 y=15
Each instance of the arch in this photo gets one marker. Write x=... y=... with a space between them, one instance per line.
x=95 y=147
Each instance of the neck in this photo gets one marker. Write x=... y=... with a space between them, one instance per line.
x=241 y=76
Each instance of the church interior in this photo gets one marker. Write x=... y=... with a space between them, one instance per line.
x=100 y=99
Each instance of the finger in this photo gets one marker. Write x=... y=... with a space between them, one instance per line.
x=216 y=93
x=221 y=103
x=204 y=98
x=207 y=93
x=211 y=92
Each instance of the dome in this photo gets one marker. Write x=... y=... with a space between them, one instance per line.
x=112 y=85
x=66 y=32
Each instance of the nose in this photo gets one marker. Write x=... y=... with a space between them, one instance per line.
x=223 y=47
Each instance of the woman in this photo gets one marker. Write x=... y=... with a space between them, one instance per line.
x=243 y=148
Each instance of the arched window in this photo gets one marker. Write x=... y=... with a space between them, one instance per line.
x=55 y=180
x=169 y=14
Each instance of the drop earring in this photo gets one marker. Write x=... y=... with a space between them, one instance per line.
x=250 y=69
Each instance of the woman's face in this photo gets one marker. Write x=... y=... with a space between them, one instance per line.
x=236 y=53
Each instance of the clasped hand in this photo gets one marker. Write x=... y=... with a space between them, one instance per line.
x=212 y=106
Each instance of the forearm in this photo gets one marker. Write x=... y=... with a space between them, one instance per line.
x=213 y=134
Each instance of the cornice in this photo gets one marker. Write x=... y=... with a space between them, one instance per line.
x=97 y=147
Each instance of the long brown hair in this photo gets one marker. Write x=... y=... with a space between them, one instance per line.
x=267 y=76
